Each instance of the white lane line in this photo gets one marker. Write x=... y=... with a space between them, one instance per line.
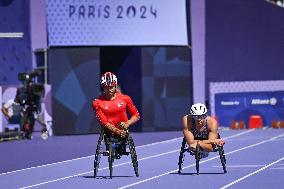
x=234 y=151
x=71 y=176
x=279 y=168
x=240 y=166
x=80 y=174
x=163 y=142
x=92 y=156
x=251 y=174
x=66 y=161
x=239 y=134
x=169 y=172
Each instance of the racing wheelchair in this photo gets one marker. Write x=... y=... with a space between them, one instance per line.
x=115 y=148
x=198 y=155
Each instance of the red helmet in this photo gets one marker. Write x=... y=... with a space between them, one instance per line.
x=108 y=79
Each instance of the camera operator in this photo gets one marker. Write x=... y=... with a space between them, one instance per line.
x=12 y=110
x=30 y=94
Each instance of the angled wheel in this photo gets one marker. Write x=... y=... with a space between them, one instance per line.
x=222 y=158
x=181 y=155
x=98 y=155
x=197 y=157
x=133 y=155
x=110 y=159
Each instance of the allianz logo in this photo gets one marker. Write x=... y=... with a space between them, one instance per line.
x=272 y=101
x=230 y=103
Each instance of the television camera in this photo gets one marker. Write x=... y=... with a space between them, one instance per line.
x=29 y=96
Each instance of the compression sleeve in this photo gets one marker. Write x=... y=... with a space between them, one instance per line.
x=99 y=113
x=130 y=107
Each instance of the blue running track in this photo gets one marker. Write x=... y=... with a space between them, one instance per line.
x=255 y=159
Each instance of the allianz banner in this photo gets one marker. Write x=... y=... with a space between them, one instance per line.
x=240 y=106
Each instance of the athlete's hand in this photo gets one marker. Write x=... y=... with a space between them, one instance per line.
x=121 y=133
x=193 y=146
x=219 y=142
x=124 y=125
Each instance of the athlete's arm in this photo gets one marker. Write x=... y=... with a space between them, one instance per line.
x=5 y=112
x=131 y=121
x=186 y=131
x=5 y=108
x=133 y=112
x=208 y=145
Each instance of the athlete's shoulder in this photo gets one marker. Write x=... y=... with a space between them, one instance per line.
x=211 y=119
x=185 y=117
x=186 y=120
x=212 y=123
x=97 y=99
x=123 y=96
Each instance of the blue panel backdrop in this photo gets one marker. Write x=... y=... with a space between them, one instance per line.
x=16 y=55
x=244 y=41
x=167 y=87
x=75 y=76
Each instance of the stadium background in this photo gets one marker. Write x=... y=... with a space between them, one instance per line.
x=231 y=41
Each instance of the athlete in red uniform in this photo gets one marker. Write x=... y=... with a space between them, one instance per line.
x=111 y=107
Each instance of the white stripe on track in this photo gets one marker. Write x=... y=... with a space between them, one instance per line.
x=277 y=168
x=234 y=151
x=162 y=142
x=251 y=174
x=240 y=166
x=157 y=155
x=92 y=156
x=80 y=174
x=239 y=134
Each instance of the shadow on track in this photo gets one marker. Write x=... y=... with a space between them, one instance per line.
x=105 y=177
x=196 y=173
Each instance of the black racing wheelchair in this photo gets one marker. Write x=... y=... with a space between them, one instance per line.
x=198 y=155
x=115 y=148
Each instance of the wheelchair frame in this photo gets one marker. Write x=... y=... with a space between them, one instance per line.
x=197 y=154
x=112 y=152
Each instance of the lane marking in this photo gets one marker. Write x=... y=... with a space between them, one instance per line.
x=277 y=168
x=85 y=157
x=92 y=156
x=251 y=174
x=80 y=174
x=239 y=134
x=157 y=155
x=163 y=142
x=234 y=151
x=240 y=166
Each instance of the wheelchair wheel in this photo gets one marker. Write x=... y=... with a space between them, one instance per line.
x=98 y=155
x=181 y=156
x=133 y=155
x=110 y=159
x=222 y=158
x=197 y=158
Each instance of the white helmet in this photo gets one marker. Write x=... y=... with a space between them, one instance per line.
x=198 y=109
